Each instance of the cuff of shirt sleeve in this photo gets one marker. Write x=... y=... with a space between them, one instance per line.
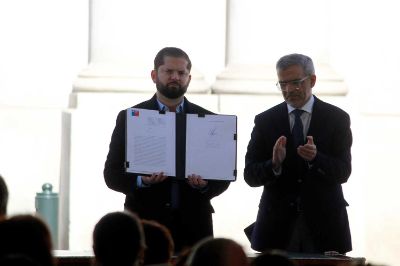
x=140 y=183
x=204 y=189
x=277 y=172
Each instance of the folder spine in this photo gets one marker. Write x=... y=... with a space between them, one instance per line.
x=180 y=161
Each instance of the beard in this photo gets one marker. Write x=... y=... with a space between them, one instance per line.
x=172 y=90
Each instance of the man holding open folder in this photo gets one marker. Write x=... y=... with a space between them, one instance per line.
x=183 y=203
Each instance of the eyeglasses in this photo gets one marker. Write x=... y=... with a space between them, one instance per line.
x=282 y=85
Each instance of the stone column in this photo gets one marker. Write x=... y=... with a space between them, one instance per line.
x=259 y=32
x=124 y=38
x=126 y=35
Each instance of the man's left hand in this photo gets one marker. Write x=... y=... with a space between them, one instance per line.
x=307 y=151
x=196 y=181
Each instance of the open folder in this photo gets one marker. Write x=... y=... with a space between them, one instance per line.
x=181 y=144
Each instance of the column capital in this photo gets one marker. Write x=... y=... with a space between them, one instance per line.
x=126 y=78
x=261 y=79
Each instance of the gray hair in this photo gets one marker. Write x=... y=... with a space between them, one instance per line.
x=296 y=59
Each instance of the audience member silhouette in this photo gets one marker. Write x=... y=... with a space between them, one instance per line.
x=26 y=235
x=18 y=260
x=217 y=252
x=182 y=257
x=159 y=243
x=3 y=198
x=118 y=240
x=272 y=258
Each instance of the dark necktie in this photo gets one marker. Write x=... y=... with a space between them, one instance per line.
x=297 y=131
x=175 y=193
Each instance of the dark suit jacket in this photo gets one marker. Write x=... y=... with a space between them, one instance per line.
x=193 y=220
x=314 y=188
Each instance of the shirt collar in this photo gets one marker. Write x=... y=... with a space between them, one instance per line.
x=307 y=107
x=163 y=107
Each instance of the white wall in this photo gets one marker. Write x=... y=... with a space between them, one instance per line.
x=43 y=46
x=129 y=32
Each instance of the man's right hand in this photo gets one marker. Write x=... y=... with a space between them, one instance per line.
x=155 y=178
x=279 y=152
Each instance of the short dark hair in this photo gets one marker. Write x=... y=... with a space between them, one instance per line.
x=296 y=59
x=118 y=239
x=173 y=52
x=217 y=251
x=159 y=243
x=272 y=257
x=29 y=235
x=3 y=197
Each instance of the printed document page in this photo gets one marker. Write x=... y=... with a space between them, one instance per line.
x=150 y=141
x=211 y=146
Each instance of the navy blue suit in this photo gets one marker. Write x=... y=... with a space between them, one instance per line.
x=190 y=222
x=315 y=188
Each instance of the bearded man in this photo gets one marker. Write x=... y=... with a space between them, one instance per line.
x=181 y=204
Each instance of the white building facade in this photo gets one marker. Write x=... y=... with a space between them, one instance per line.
x=68 y=67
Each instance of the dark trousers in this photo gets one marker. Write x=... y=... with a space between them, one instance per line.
x=301 y=240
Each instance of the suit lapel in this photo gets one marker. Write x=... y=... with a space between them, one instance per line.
x=187 y=106
x=316 y=118
x=153 y=104
x=284 y=119
x=280 y=122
